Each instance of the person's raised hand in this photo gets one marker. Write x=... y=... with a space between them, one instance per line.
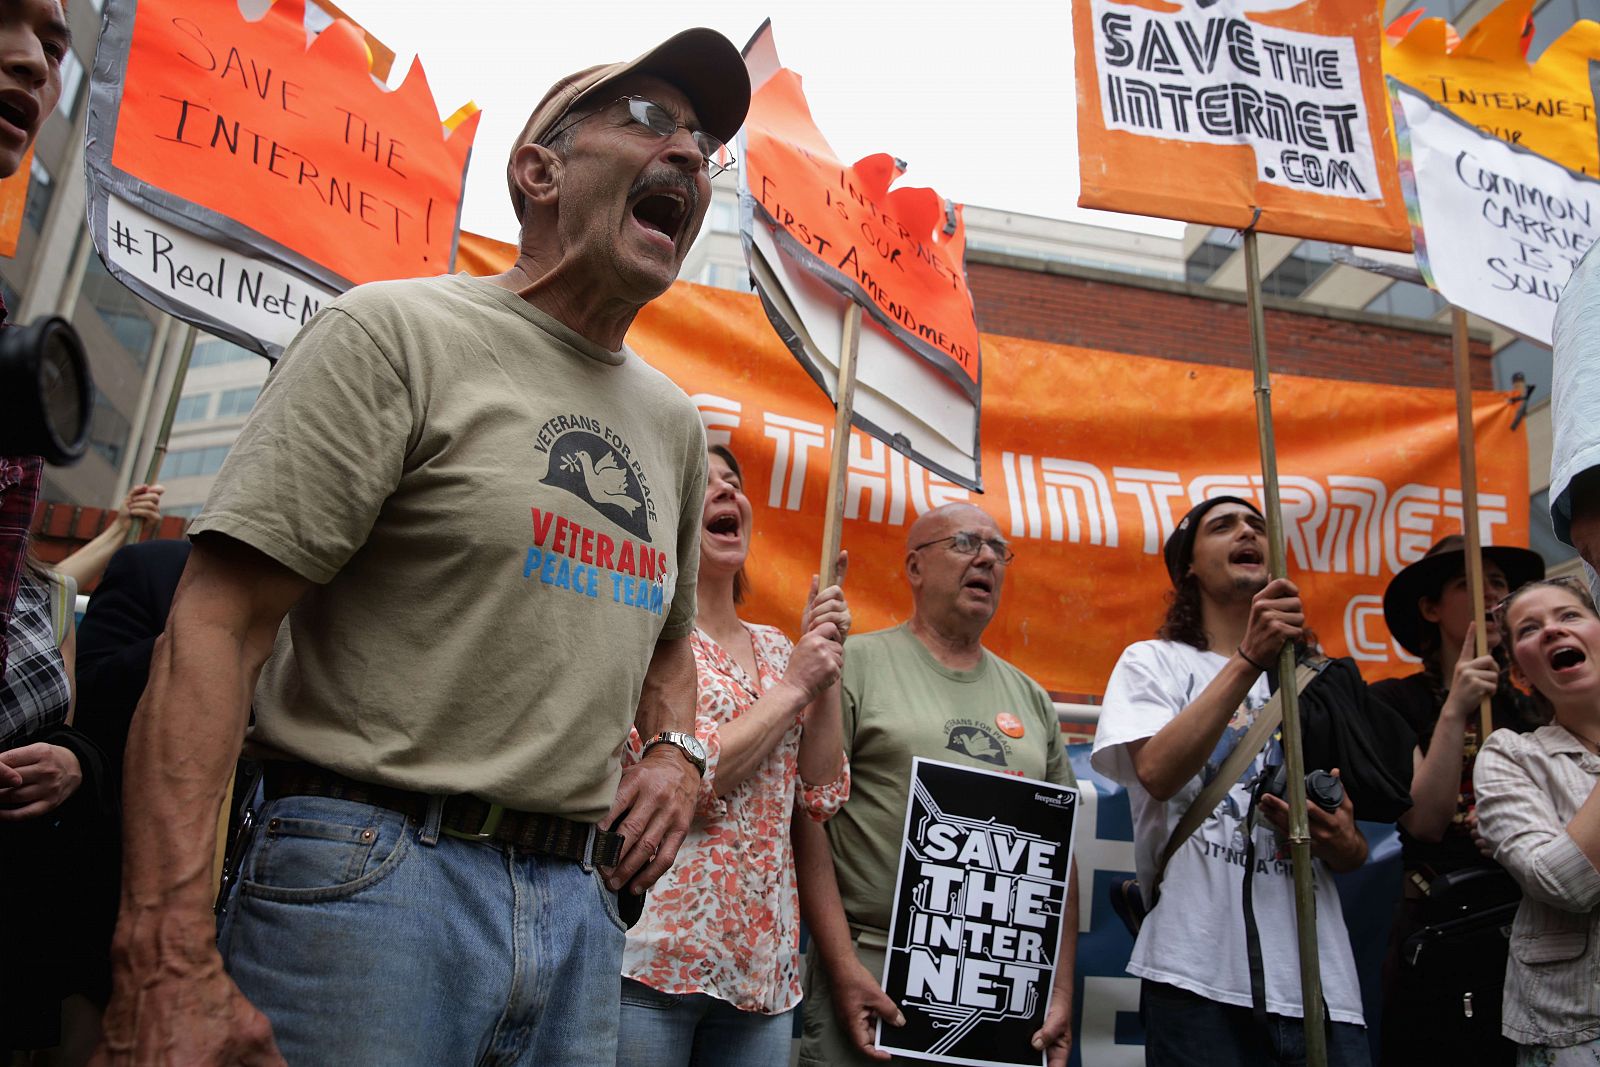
x=1475 y=677
x=816 y=661
x=858 y=1003
x=142 y=502
x=829 y=604
x=43 y=777
x=1276 y=618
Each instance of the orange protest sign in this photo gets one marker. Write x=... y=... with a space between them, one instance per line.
x=1207 y=113
x=1087 y=492
x=898 y=252
x=1485 y=78
x=240 y=177
x=298 y=144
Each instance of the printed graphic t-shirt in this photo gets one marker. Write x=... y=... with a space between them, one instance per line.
x=501 y=517
x=1195 y=937
x=900 y=702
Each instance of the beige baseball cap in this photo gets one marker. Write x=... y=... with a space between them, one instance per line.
x=703 y=64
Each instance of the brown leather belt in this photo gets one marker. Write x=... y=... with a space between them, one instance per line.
x=464 y=816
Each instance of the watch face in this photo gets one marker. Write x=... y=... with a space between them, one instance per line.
x=696 y=747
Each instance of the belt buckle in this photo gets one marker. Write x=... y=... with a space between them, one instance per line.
x=491 y=823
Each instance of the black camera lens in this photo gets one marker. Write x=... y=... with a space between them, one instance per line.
x=46 y=392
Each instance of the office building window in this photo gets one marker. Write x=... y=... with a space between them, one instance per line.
x=192 y=408
x=182 y=511
x=724 y=216
x=189 y=462
x=123 y=313
x=41 y=190
x=1309 y=261
x=1408 y=300
x=213 y=351
x=108 y=429
x=1529 y=359
x=1210 y=254
x=237 y=401
x=71 y=83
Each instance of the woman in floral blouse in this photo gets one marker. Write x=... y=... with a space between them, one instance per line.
x=711 y=971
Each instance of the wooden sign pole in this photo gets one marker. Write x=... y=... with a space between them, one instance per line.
x=1466 y=442
x=844 y=396
x=159 y=454
x=1277 y=562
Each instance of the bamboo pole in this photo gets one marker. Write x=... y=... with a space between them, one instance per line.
x=844 y=399
x=1305 y=903
x=1466 y=443
x=159 y=454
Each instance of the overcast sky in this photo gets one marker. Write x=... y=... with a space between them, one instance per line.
x=976 y=97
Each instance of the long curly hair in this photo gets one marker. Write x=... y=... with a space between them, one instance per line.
x=1184 y=622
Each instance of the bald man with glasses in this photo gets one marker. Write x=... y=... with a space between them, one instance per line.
x=925 y=688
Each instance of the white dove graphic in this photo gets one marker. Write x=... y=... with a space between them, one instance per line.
x=606 y=481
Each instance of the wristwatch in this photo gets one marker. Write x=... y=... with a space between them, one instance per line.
x=688 y=744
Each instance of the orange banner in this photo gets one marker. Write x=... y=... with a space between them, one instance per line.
x=1095 y=455
x=1207 y=115
x=900 y=254
x=297 y=144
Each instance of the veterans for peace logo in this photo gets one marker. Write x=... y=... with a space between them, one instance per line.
x=976 y=739
x=601 y=472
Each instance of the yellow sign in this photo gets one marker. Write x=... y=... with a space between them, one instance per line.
x=1484 y=77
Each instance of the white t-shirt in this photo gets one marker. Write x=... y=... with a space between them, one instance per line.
x=1195 y=938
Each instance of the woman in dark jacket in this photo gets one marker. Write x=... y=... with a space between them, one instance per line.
x=1430 y=613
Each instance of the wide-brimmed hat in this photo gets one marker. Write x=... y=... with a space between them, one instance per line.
x=703 y=65
x=1426 y=576
x=1178 y=552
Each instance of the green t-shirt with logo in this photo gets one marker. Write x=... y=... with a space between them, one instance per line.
x=502 y=518
x=900 y=702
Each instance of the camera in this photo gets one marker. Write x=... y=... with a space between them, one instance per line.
x=1322 y=788
x=46 y=392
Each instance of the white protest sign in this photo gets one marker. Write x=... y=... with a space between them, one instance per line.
x=1498 y=229
x=1209 y=75
x=216 y=283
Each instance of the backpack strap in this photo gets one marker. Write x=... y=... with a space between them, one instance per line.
x=1254 y=740
x=63 y=604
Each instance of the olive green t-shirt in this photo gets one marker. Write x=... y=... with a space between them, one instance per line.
x=900 y=702
x=502 y=518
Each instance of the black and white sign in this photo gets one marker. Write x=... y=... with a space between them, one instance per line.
x=1206 y=73
x=977 y=917
x=1497 y=228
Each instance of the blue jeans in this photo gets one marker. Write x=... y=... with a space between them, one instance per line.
x=369 y=940
x=1182 y=1029
x=683 y=1029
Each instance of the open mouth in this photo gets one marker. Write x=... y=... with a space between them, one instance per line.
x=723 y=525
x=19 y=110
x=1249 y=555
x=662 y=212
x=1567 y=658
x=980 y=584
